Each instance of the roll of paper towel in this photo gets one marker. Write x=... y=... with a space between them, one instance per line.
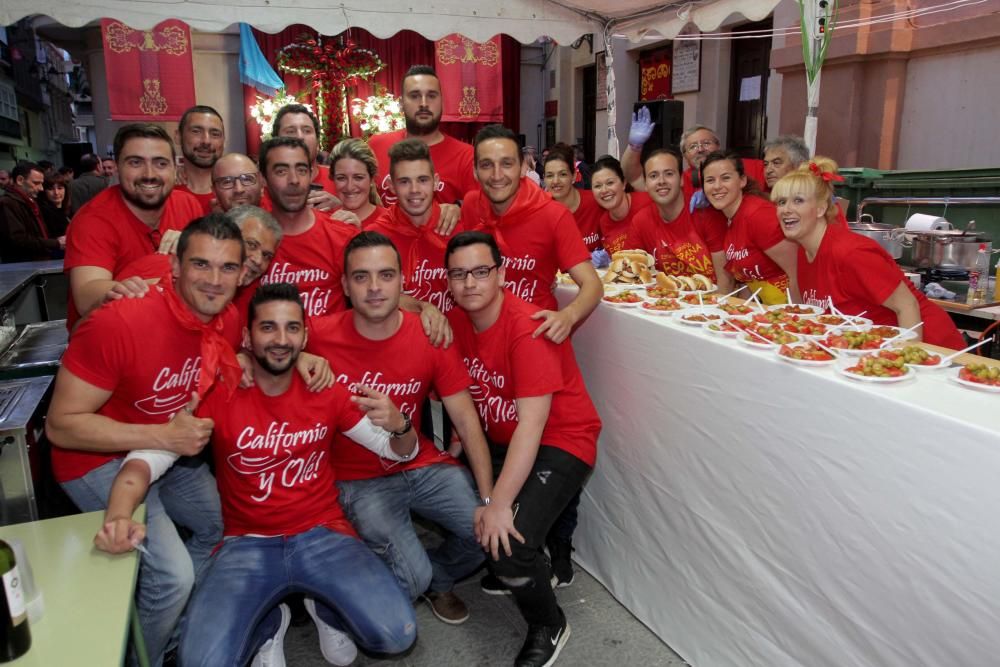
x=921 y=222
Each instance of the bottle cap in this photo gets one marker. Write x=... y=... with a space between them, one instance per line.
x=982 y=247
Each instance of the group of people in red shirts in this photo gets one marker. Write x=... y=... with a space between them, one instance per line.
x=279 y=312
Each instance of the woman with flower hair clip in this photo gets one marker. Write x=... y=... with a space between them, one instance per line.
x=850 y=271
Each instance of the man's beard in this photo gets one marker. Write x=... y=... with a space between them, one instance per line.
x=144 y=205
x=203 y=163
x=417 y=128
x=271 y=368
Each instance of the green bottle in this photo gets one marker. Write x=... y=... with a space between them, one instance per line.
x=15 y=637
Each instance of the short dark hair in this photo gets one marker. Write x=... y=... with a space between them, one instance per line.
x=561 y=152
x=141 y=131
x=216 y=225
x=65 y=171
x=417 y=70
x=89 y=162
x=665 y=150
x=22 y=169
x=370 y=240
x=608 y=162
x=273 y=292
x=198 y=108
x=464 y=239
x=46 y=165
x=495 y=131
x=279 y=142
x=293 y=108
x=409 y=150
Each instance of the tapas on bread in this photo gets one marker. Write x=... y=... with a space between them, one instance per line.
x=630 y=267
x=695 y=283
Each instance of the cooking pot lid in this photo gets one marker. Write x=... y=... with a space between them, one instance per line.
x=871 y=226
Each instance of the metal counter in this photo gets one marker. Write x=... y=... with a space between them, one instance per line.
x=19 y=407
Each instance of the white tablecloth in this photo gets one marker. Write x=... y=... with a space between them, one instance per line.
x=755 y=513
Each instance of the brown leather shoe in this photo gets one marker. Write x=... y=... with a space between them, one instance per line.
x=448 y=607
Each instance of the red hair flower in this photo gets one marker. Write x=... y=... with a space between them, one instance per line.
x=825 y=175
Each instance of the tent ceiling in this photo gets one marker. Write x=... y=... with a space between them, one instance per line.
x=525 y=20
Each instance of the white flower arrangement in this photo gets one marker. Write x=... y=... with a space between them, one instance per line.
x=378 y=113
x=266 y=108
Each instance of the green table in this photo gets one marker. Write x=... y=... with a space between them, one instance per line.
x=88 y=594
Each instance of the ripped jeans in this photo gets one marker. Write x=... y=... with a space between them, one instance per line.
x=554 y=479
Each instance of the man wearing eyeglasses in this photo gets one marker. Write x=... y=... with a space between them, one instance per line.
x=236 y=181
x=541 y=426
x=378 y=345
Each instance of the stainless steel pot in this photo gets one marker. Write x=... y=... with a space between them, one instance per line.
x=951 y=249
x=887 y=236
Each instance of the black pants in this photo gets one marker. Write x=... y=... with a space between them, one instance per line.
x=554 y=480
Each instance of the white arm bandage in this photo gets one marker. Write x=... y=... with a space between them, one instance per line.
x=159 y=461
x=376 y=439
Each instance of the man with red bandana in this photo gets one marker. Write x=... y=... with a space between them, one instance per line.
x=537 y=236
x=125 y=222
x=422 y=108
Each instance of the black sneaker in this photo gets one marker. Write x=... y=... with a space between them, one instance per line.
x=491 y=585
x=562 y=567
x=543 y=644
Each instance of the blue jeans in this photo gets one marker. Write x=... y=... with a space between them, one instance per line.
x=234 y=608
x=185 y=494
x=379 y=509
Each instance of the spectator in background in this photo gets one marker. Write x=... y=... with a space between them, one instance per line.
x=88 y=183
x=783 y=155
x=529 y=168
x=4 y=178
x=23 y=237
x=48 y=167
x=54 y=204
x=66 y=173
x=110 y=169
x=583 y=170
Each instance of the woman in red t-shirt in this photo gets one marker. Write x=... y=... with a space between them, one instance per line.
x=757 y=253
x=836 y=265
x=352 y=169
x=559 y=178
x=608 y=184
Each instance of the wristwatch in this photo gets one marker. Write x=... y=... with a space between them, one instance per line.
x=484 y=502
x=407 y=425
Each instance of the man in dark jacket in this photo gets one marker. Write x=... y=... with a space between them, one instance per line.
x=84 y=187
x=23 y=237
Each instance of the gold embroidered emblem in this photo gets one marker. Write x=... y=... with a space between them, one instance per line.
x=152 y=103
x=466 y=51
x=469 y=106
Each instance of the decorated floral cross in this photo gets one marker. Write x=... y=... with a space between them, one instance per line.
x=330 y=65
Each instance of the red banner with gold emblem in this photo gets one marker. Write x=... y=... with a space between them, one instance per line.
x=470 y=74
x=655 y=72
x=150 y=73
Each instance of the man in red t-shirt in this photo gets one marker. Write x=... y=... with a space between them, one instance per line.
x=296 y=120
x=285 y=530
x=236 y=181
x=125 y=222
x=541 y=425
x=683 y=243
x=422 y=108
x=378 y=345
x=311 y=252
x=201 y=136
x=538 y=235
x=125 y=380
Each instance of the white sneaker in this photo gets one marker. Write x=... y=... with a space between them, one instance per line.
x=272 y=653
x=337 y=647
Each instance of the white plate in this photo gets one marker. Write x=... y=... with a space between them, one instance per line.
x=695 y=304
x=909 y=335
x=725 y=334
x=814 y=310
x=935 y=367
x=803 y=362
x=700 y=291
x=659 y=313
x=615 y=304
x=754 y=311
x=874 y=379
x=858 y=323
x=755 y=343
x=697 y=311
x=953 y=376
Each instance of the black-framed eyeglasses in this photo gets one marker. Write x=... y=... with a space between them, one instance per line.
x=479 y=273
x=229 y=182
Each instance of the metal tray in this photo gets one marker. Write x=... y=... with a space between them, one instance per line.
x=39 y=344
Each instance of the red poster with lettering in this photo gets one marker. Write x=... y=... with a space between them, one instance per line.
x=470 y=74
x=150 y=73
x=655 y=72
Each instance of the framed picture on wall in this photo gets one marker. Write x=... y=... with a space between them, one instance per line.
x=687 y=63
x=602 y=82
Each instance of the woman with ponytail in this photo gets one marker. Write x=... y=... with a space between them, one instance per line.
x=352 y=169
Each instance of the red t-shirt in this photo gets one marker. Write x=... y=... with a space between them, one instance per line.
x=753 y=168
x=588 y=219
x=859 y=275
x=137 y=350
x=205 y=200
x=537 y=236
x=405 y=366
x=242 y=300
x=677 y=245
x=452 y=160
x=107 y=234
x=272 y=458
x=754 y=229
x=614 y=233
x=374 y=217
x=314 y=262
x=506 y=364
x=422 y=251
x=156 y=265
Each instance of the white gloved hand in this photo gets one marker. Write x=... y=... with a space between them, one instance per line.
x=698 y=200
x=641 y=129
